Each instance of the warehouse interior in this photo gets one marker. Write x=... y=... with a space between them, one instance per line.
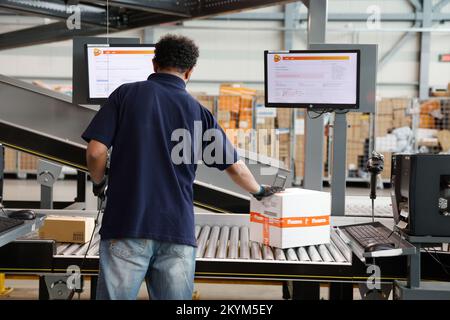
x=402 y=112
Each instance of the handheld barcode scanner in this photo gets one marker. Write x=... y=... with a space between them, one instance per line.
x=279 y=182
x=375 y=166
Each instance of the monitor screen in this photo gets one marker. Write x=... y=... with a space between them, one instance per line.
x=309 y=79
x=110 y=66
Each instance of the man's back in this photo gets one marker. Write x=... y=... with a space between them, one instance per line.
x=150 y=194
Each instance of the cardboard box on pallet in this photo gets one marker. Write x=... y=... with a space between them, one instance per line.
x=67 y=229
x=293 y=218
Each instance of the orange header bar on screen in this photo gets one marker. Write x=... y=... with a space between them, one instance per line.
x=317 y=58
x=128 y=51
x=291 y=222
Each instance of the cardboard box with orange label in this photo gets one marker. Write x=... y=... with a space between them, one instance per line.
x=292 y=218
x=67 y=229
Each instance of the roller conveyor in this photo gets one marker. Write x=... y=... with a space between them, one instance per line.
x=222 y=243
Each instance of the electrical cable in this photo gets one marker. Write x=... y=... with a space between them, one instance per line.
x=92 y=237
x=373 y=210
x=437 y=260
x=324 y=111
x=3 y=211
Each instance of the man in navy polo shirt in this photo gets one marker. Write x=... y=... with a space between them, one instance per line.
x=148 y=227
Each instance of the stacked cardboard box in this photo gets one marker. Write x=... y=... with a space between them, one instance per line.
x=384 y=120
x=267 y=142
x=402 y=118
x=357 y=134
x=265 y=117
x=299 y=155
x=391 y=114
x=236 y=106
x=284 y=147
x=205 y=100
x=444 y=140
x=27 y=162
x=284 y=116
x=386 y=173
x=242 y=138
x=228 y=111
x=427 y=109
x=10 y=160
x=440 y=92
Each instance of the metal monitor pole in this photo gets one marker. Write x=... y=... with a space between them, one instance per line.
x=317 y=22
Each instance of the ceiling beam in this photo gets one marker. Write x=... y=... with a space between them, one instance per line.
x=440 y=5
x=362 y=17
x=416 y=4
x=57 y=9
x=43 y=34
x=167 y=7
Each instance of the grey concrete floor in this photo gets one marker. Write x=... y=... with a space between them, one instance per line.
x=65 y=190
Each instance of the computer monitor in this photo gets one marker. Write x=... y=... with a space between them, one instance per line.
x=325 y=79
x=111 y=65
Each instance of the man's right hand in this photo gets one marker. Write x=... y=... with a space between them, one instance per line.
x=266 y=191
x=99 y=189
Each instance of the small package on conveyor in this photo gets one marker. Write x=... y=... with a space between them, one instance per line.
x=67 y=229
x=292 y=218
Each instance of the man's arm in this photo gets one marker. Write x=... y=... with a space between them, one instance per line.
x=242 y=176
x=96 y=157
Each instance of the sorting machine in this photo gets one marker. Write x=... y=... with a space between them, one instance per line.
x=52 y=131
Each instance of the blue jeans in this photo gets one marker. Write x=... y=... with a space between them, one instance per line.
x=167 y=268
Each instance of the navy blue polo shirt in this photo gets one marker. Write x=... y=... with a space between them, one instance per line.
x=153 y=127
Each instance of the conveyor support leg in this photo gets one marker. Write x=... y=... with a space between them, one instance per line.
x=4 y=291
x=305 y=290
x=341 y=291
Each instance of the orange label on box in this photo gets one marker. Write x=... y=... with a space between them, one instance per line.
x=290 y=222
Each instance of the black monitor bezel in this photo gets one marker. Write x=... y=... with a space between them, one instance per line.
x=99 y=101
x=314 y=106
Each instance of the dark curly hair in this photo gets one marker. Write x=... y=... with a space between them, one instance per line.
x=177 y=52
